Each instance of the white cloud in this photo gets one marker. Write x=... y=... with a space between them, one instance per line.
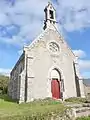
x=29 y=15
x=27 y=33
x=3 y=18
x=4 y=71
x=74 y=15
x=80 y=53
x=84 y=64
x=24 y=11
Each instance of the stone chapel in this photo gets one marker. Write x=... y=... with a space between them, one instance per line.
x=47 y=67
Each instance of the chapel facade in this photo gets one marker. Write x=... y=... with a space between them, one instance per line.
x=47 y=67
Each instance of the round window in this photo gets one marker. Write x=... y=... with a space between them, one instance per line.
x=54 y=47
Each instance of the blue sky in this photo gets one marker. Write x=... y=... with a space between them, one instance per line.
x=22 y=20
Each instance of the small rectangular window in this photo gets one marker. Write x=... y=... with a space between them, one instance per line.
x=51 y=14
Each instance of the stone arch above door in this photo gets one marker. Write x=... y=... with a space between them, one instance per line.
x=55 y=72
x=58 y=70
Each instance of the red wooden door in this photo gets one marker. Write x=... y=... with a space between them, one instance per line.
x=55 y=89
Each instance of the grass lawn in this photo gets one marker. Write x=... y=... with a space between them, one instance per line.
x=84 y=118
x=36 y=110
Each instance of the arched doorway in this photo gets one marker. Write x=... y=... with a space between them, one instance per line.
x=55 y=84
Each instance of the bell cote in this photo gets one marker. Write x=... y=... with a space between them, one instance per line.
x=50 y=15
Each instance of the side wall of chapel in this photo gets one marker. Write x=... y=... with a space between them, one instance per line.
x=15 y=80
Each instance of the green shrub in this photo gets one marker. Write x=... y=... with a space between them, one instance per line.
x=76 y=100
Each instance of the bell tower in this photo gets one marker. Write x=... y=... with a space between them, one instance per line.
x=50 y=15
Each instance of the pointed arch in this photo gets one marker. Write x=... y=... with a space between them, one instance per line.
x=55 y=82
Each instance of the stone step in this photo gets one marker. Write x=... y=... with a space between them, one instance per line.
x=80 y=110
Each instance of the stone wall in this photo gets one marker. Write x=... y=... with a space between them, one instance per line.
x=14 y=84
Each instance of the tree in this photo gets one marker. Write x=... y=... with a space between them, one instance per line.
x=3 y=84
